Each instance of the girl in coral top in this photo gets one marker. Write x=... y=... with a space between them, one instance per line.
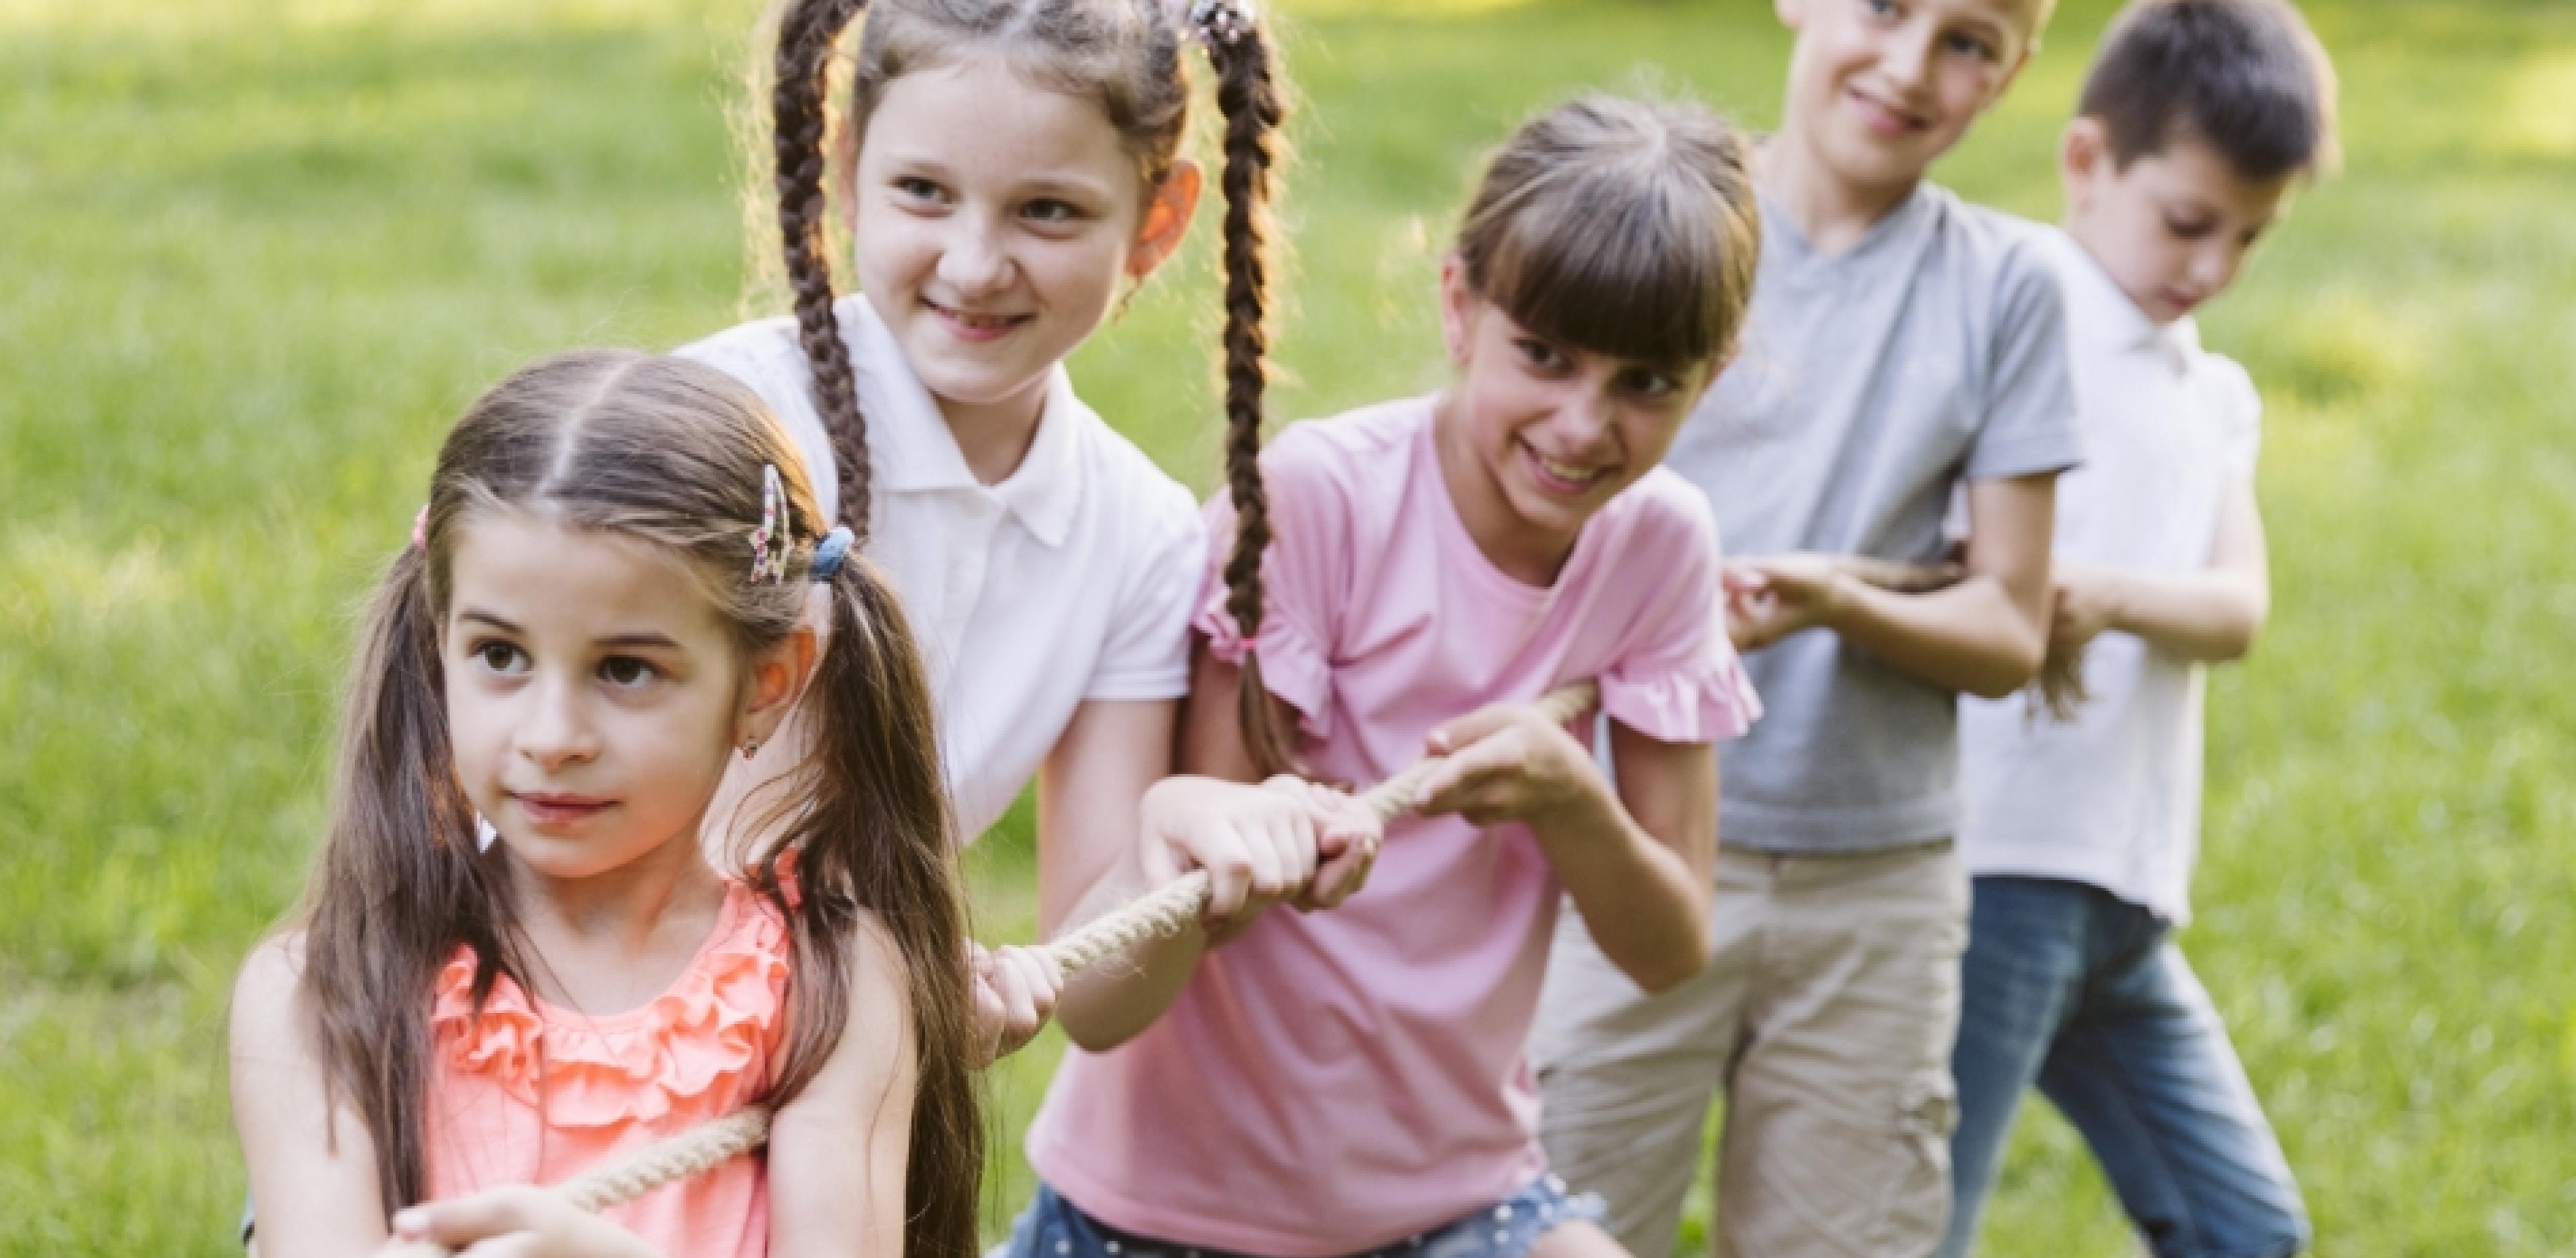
x=1409 y=577
x=514 y=962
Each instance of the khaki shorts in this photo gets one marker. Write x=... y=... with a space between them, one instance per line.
x=1826 y=1016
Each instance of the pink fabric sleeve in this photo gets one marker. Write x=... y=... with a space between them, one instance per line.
x=1681 y=680
x=1301 y=572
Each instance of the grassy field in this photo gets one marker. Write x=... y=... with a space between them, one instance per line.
x=254 y=256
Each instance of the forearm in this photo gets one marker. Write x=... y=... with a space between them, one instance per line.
x=1646 y=907
x=1107 y=1004
x=1973 y=636
x=2211 y=616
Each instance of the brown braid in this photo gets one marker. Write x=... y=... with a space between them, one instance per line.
x=1248 y=97
x=806 y=36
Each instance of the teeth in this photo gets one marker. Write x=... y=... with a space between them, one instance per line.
x=1567 y=471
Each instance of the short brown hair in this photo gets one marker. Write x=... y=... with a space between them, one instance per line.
x=2246 y=77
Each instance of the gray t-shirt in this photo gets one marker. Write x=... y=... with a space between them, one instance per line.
x=1870 y=384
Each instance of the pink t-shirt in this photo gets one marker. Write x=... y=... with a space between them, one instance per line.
x=1330 y=1082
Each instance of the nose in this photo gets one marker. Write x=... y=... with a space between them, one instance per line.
x=557 y=731
x=1584 y=416
x=976 y=261
x=2214 y=266
x=1907 y=59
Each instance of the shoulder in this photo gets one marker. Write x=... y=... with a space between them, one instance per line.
x=1355 y=451
x=2228 y=391
x=268 y=986
x=1667 y=513
x=761 y=352
x=1125 y=484
x=1996 y=251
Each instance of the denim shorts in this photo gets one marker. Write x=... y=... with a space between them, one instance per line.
x=1053 y=1227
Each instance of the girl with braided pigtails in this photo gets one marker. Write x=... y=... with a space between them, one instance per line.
x=1410 y=577
x=1013 y=164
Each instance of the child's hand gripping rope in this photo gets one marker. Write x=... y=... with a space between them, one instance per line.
x=1167 y=910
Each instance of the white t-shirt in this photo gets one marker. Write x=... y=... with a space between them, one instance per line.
x=2112 y=798
x=1072 y=579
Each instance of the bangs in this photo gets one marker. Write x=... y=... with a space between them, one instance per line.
x=1618 y=262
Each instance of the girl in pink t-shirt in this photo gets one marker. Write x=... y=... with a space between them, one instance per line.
x=1409 y=577
x=514 y=963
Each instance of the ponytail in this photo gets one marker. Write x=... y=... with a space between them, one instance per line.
x=875 y=836
x=400 y=828
x=799 y=121
x=1249 y=100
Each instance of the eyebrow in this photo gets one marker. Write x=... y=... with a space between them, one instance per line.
x=623 y=640
x=930 y=166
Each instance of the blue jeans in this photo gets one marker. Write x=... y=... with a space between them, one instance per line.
x=1053 y=1227
x=2069 y=987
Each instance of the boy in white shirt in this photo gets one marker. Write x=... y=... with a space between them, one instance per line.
x=2197 y=122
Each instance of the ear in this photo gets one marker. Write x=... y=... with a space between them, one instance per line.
x=778 y=679
x=1166 y=219
x=1793 y=13
x=2083 y=152
x=1459 y=306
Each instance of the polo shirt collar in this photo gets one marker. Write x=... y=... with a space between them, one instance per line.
x=2098 y=312
x=913 y=451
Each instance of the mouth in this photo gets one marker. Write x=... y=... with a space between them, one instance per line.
x=1563 y=479
x=2181 y=303
x=975 y=326
x=1886 y=120
x=557 y=809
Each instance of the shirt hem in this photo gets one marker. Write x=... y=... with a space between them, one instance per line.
x=1129 y=1215
x=2030 y=456
x=1986 y=862
x=1808 y=831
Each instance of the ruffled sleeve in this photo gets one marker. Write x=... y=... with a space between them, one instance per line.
x=698 y=1050
x=1679 y=679
x=1300 y=573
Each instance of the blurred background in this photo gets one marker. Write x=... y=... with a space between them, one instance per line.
x=256 y=254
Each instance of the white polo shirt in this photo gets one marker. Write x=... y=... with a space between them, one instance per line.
x=2113 y=797
x=1072 y=579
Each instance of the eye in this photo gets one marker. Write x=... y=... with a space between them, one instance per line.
x=1648 y=383
x=1976 y=46
x=916 y=188
x=497 y=656
x=627 y=672
x=1884 y=10
x=1540 y=354
x=2188 y=228
x=1051 y=210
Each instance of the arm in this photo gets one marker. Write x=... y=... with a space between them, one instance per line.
x=1985 y=635
x=2210 y=616
x=837 y=1153
x=1636 y=860
x=312 y=1164
x=1100 y=771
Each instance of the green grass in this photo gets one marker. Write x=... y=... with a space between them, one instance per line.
x=257 y=255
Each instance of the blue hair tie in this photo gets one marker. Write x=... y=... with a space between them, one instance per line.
x=828 y=552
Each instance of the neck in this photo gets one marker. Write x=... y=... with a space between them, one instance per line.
x=995 y=436
x=620 y=910
x=1832 y=212
x=1523 y=551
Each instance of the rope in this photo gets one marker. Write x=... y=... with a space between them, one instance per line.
x=1165 y=911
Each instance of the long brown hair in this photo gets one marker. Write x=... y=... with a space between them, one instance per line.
x=1623 y=227
x=671 y=452
x=1126 y=54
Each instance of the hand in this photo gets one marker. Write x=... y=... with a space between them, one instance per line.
x=1015 y=993
x=1771 y=597
x=1508 y=762
x=1348 y=836
x=517 y=1223
x=1257 y=843
x=2083 y=602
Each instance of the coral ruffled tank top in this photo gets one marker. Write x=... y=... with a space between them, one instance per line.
x=528 y=1093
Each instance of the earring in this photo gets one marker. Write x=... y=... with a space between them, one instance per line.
x=750 y=748
x=484 y=834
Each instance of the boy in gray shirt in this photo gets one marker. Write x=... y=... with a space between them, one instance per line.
x=1902 y=344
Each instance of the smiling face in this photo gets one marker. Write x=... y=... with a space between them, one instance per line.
x=1878 y=89
x=1538 y=434
x=592 y=704
x=995 y=221
x=2173 y=226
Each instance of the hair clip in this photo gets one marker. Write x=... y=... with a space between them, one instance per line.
x=1221 y=21
x=769 y=541
x=829 y=552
